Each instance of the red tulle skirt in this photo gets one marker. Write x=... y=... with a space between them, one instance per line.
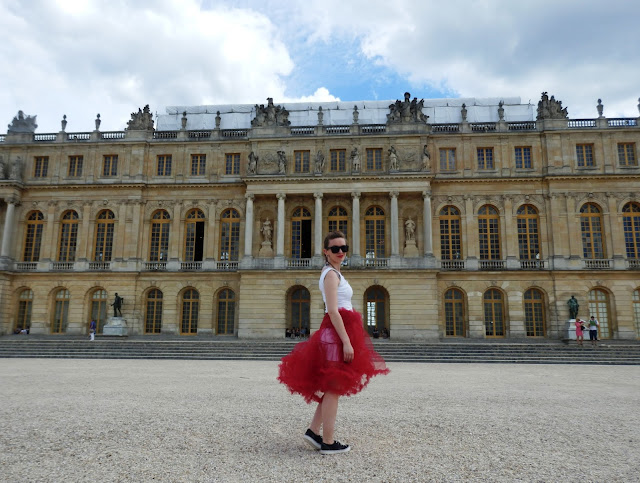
x=316 y=366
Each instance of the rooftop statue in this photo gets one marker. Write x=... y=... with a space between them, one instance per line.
x=551 y=109
x=141 y=120
x=271 y=115
x=22 y=124
x=407 y=111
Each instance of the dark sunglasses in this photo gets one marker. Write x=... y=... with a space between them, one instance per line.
x=336 y=249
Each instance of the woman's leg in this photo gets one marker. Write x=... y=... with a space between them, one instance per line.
x=329 y=413
x=316 y=422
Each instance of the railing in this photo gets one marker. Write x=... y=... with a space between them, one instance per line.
x=199 y=134
x=483 y=126
x=597 y=263
x=79 y=136
x=2 y=137
x=445 y=128
x=622 y=122
x=532 y=264
x=234 y=133
x=228 y=266
x=112 y=135
x=99 y=266
x=190 y=265
x=491 y=265
x=373 y=129
x=338 y=129
x=452 y=264
x=376 y=262
x=165 y=134
x=633 y=263
x=303 y=131
x=155 y=266
x=298 y=263
x=61 y=266
x=27 y=266
x=522 y=126
x=581 y=123
x=44 y=138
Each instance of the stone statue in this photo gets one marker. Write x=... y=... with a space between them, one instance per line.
x=551 y=109
x=501 y=110
x=409 y=229
x=356 y=114
x=16 y=169
x=141 y=120
x=406 y=111
x=266 y=230
x=321 y=115
x=117 y=305
x=253 y=163
x=355 y=159
x=3 y=169
x=393 y=159
x=184 y=120
x=319 y=162
x=463 y=112
x=426 y=159
x=282 y=163
x=218 y=119
x=600 y=108
x=271 y=115
x=63 y=123
x=98 y=121
x=21 y=124
x=573 y=307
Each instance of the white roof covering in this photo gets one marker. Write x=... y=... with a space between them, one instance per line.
x=440 y=111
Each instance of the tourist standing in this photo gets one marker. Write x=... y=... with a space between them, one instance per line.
x=92 y=330
x=579 y=331
x=593 y=330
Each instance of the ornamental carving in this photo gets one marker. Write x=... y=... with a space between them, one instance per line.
x=22 y=124
x=141 y=120
x=271 y=115
x=551 y=108
x=407 y=111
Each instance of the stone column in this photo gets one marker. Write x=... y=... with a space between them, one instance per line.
x=280 y=235
x=174 y=236
x=211 y=240
x=8 y=227
x=137 y=240
x=471 y=229
x=615 y=235
x=120 y=232
x=84 y=240
x=248 y=227
x=48 y=246
x=426 y=221
x=395 y=251
x=355 y=221
x=511 y=245
x=317 y=251
x=573 y=229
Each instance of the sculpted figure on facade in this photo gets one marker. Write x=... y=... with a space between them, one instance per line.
x=271 y=115
x=573 y=307
x=356 y=114
x=319 y=165
x=282 y=163
x=463 y=112
x=393 y=159
x=355 y=159
x=600 y=108
x=98 y=122
x=267 y=230
x=3 y=168
x=407 y=110
x=252 y=167
x=320 y=116
x=16 y=169
x=410 y=229
x=501 y=110
x=426 y=159
x=22 y=124
x=141 y=120
x=550 y=108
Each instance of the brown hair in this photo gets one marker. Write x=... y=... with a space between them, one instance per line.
x=332 y=236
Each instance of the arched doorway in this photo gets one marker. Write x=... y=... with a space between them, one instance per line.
x=376 y=302
x=454 y=313
x=98 y=309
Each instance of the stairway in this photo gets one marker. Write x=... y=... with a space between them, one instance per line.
x=616 y=352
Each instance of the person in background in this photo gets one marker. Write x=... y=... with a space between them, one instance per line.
x=593 y=330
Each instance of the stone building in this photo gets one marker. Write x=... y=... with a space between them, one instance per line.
x=474 y=218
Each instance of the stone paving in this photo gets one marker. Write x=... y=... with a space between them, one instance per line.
x=144 y=420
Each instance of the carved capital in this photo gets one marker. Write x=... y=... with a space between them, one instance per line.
x=281 y=196
x=393 y=194
x=426 y=194
x=356 y=194
x=317 y=195
x=249 y=196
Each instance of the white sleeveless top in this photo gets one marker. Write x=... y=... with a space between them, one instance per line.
x=345 y=292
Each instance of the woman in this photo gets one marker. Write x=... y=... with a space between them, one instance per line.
x=579 y=331
x=338 y=359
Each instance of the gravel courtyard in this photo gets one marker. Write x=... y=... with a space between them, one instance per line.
x=144 y=420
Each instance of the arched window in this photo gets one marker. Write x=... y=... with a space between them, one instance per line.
x=493 y=313
x=60 y=314
x=489 y=233
x=454 y=315
x=98 y=309
x=450 y=241
x=301 y=233
x=190 y=310
x=376 y=303
x=159 y=243
x=591 y=227
x=374 y=229
x=226 y=312
x=300 y=308
x=33 y=237
x=68 y=237
x=636 y=310
x=599 y=308
x=528 y=232
x=534 y=319
x=631 y=224
x=194 y=236
x=338 y=220
x=153 y=312
x=105 y=222
x=25 y=302
x=229 y=235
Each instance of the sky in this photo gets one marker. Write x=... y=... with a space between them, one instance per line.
x=82 y=57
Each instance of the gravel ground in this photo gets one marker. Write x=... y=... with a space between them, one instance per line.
x=144 y=420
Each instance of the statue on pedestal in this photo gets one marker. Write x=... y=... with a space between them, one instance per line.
x=267 y=230
x=573 y=307
x=117 y=305
x=253 y=163
x=393 y=159
x=21 y=124
x=355 y=160
x=319 y=162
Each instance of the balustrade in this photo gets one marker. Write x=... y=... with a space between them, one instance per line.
x=376 y=262
x=633 y=263
x=491 y=265
x=190 y=265
x=298 y=263
x=572 y=123
x=303 y=131
x=112 y=135
x=338 y=129
x=373 y=129
x=522 y=126
x=483 y=127
x=622 y=122
x=597 y=263
x=61 y=266
x=227 y=266
x=532 y=264
x=79 y=136
x=234 y=133
x=99 y=266
x=165 y=134
x=199 y=134
x=452 y=264
x=27 y=266
x=445 y=128
x=155 y=266
x=44 y=138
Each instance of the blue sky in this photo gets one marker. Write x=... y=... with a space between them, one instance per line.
x=83 y=57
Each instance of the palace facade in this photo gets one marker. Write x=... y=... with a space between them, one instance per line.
x=466 y=218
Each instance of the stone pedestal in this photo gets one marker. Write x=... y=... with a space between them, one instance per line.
x=265 y=250
x=116 y=326
x=410 y=249
x=571 y=330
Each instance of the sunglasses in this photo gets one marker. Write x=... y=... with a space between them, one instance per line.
x=336 y=249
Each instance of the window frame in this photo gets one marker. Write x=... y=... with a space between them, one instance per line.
x=374 y=162
x=448 y=160
x=164 y=164
x=338 y=160
x=627 y=155
x=585 y=159
x=523 y=157
x=41 y=167
x=198 y=164
x=302 y=161
x=75 y=166
x=485 y=159
x=109 y=165
x=232 y=164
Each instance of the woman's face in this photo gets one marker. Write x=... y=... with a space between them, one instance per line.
x=335 y=258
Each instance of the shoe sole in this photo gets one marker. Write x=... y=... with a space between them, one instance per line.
x=312 y=442
x=335 y=451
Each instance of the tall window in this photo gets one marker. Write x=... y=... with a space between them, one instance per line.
x=374 y=229
x=99 y=309
x=450 y=241
x=25 y=301
x=376 y=303
x=374 y=159
x=493 y=313
x=233 y=164
x=627 y=154
x=489 y=233
x=198 y=164
x=153 y=312
x=584 y=155
x=485 y=158
x=454 y=313
x=194 y=236
x=300 y=309
x=110 y=165
x=631 y=224
x=229 y=235
x=226 y=312
x=105 y=222
x=41 y=167
x=591 y=227
x=523 y=157
x=534 y=321
x=75 y=166
x=447 y=159
x=159 y=246
x=60 y=316
x=33 y=237
x=189 y=313
x=338 y=220
x=301 y=233
x=68 y=237
x=599 y=308
x=338 y=160
x=528 y=236
x=301 y=161
x=164 y=165
x=636 y=310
